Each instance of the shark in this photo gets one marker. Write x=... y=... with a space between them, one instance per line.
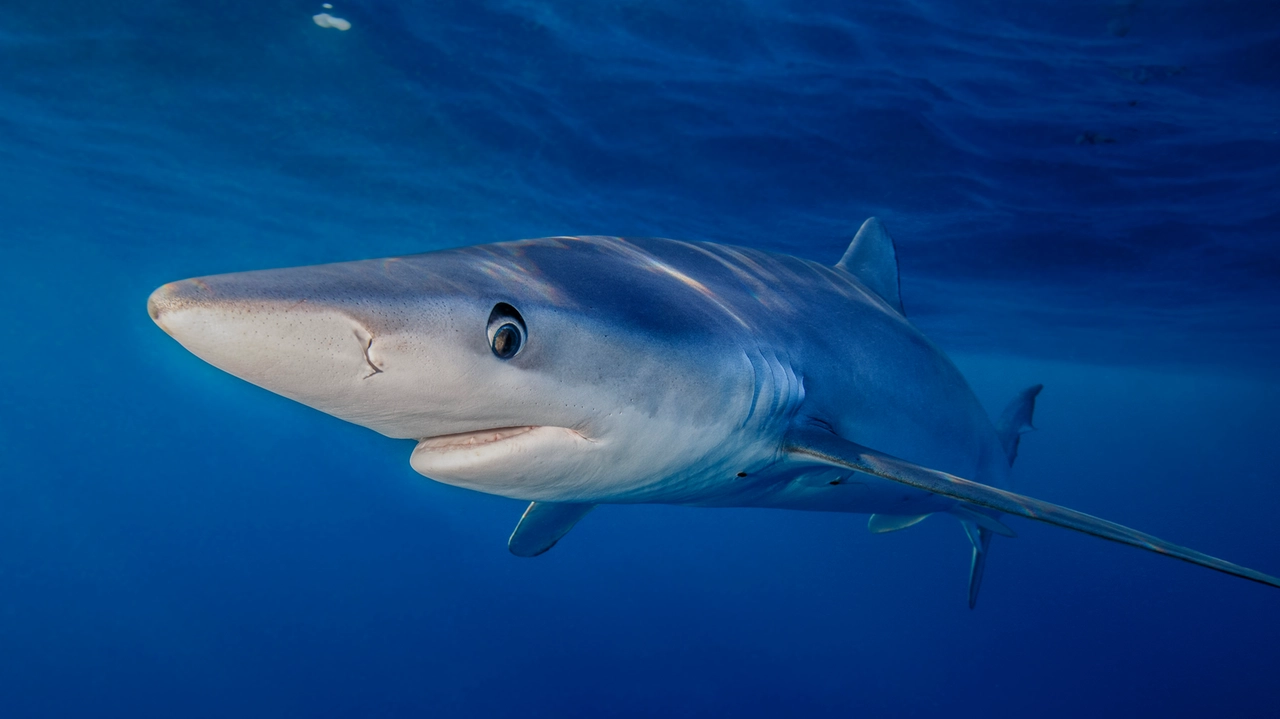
x=573 y=372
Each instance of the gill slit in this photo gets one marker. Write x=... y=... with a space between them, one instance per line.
x=776 y=381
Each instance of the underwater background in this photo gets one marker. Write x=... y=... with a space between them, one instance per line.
x=1083 y=194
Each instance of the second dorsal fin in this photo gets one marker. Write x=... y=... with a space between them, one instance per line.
x=871 y=258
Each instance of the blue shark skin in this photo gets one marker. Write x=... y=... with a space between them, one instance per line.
x=577 y=371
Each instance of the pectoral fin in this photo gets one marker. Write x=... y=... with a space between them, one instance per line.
x=823 y=447
x=542 y=525
x=986 y=521
x=884 y=523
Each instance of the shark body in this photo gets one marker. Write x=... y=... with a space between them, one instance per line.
x=576 y=371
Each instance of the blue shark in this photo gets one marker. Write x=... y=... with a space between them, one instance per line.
x=571 y=372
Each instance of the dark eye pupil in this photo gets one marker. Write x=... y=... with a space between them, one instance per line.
x=506 y=341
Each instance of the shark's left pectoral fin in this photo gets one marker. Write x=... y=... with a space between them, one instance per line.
x=885 y=523
x=986 y=521
x=821 y=446
x=544 y=524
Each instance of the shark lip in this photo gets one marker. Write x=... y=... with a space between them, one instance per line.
x=471 y=440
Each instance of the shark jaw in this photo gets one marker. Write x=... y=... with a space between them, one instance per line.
x=470 y=440
x=525 y=460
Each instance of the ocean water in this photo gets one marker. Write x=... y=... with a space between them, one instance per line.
x=1083 y=194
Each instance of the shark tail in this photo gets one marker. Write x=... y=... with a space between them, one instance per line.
x=980 y=525
x=1014 y=421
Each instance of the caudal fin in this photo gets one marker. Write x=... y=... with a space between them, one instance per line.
x=980 y=526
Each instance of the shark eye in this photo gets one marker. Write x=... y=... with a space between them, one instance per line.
x=506 y=331
x=506 y=341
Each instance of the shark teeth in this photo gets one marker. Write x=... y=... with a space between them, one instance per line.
x=467 y=440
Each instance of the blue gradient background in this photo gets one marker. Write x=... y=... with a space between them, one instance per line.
x=1084 y=194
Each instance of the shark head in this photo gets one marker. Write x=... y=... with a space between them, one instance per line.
x=542 y=370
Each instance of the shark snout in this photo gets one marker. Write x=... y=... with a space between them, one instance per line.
x=153 y=307
x=172 y=297
x=296 y=342
x=377 y=344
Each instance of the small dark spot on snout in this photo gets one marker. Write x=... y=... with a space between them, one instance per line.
x=742 y=474
x=834 y=482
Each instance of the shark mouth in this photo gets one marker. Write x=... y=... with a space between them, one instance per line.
x=471 y=440
x=524 y=462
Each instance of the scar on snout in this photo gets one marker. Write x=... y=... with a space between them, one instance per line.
x=367 y=360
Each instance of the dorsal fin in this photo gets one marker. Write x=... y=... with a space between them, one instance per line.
x=1016 y=420
x=871 y=258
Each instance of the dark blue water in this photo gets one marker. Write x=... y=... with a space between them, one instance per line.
x=1083 y=194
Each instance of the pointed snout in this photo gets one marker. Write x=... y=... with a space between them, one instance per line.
x=174 y=296
x=279 y=332
x=373 y=342
x=154 y=303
